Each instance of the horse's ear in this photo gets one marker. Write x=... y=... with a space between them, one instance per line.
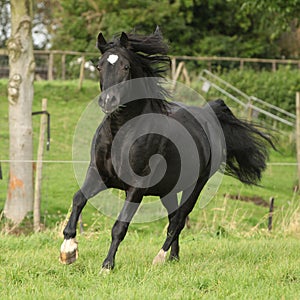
x=101 y=42
x=157 y=31
x=124 y=40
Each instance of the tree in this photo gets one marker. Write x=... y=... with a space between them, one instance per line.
x=277 y=13
x=247 y=28
x=20 y=96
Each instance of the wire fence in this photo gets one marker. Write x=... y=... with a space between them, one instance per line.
x=87 y=161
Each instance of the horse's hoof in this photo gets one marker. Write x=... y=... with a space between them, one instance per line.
x=68 y=251
x=105 y=271
x=174 y=258
x=160 y=258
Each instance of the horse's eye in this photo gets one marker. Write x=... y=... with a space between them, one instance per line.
x=126 y=67
x=98 y=68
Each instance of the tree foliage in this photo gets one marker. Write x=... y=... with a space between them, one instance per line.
x=248 y=28
x=193 y=27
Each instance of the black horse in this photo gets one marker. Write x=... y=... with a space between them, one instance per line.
x=154 y=163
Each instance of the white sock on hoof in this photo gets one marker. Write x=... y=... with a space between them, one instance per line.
x=68 y=246
x=68 y=251
x=160 y=258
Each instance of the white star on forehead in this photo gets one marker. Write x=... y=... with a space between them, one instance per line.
x=112 y=58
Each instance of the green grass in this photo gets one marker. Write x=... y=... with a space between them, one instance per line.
x=260 y=267
x=227 y=253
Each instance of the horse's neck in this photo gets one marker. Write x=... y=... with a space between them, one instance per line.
x=119 y=118
x=132 y=110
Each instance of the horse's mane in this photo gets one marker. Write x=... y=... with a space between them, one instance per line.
x=152 y=51
x=149 y=51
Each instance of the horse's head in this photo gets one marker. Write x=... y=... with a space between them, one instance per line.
x=127 y=57
x=114 y=68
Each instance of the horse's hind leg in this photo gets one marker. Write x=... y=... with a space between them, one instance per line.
x=188 y=201
x=133 y=199
x=170 y=202
x=92 y=186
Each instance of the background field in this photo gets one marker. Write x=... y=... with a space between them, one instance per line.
x=227 y=252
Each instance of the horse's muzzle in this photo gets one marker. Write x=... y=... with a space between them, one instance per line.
x=108 y=103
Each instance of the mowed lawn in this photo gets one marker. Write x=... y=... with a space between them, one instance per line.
x=227 y=252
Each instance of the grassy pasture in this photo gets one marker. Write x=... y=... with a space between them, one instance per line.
x=227 y=253
x=257 y=267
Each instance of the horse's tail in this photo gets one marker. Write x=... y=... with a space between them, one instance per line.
x=246 y=146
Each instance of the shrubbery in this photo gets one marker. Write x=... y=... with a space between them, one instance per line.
x=278 y=88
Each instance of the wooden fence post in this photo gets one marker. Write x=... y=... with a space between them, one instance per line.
x=81 y=76
x=178 y=70
x=39 y=166
x=271 y=209
x=186 y=75
x=50 y=66
x=63 y=67
x=298 y=133
x=173 y=67
x=241 y=64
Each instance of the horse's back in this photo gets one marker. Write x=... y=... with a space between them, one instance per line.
x=203 y=125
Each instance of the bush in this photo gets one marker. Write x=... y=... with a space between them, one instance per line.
x=278 y=88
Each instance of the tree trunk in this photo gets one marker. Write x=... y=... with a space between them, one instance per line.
x=20 y=96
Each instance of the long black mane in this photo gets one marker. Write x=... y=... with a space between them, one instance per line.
x=149 y=51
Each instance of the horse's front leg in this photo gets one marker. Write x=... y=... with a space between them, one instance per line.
x=133 y=199
x=92 y=186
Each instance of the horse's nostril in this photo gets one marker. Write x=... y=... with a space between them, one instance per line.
x=114 y=100
x=101 y=100
x=104 y=99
